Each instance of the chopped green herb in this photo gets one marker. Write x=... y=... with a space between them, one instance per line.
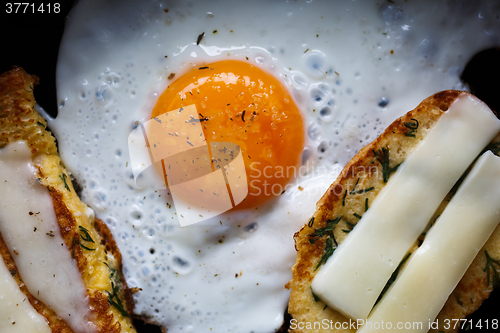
x=86 y=248
x=63 y=178
x=349 y=224
x=343 y=198
x=311 y=222
x=354 y=188
x=357 y=216
x=330 y=238
x=39 y=123
x=393 y=277
x=329 y=249
x=87 y=237
x=366 y=204
x=363 y=190
x=113 y=275
x=330 y=226
x=200 y=37
x=382 y=156
x=316 y=298
x=412 y=127
x=334 y=221
x=115 y=301
x=346 y=231
x=490 y=265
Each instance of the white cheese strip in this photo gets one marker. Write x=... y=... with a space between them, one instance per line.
x=353 y=278
x=29 y=227
x=17 y=315
x=449 y=247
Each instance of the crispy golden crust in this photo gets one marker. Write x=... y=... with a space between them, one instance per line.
x=110 y=245
x=18 y=120
x=366 y=171
x=99 y=262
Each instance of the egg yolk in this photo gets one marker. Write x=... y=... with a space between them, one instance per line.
x=239 y=103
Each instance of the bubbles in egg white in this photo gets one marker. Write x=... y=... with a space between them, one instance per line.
x=352 y=67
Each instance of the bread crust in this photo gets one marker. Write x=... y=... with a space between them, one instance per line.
x=100 y=268
x=18 y=118
x=365 y=171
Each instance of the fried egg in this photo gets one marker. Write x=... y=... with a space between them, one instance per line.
x=315 y=80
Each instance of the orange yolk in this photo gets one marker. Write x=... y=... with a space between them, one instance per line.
x=242 y=104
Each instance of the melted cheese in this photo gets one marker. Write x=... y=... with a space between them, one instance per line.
x=452 y=243
x=353 y=278
x=29 y=227
x=17 y=315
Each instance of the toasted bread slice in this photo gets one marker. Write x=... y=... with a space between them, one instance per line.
x=101 y=269
x=397 y=141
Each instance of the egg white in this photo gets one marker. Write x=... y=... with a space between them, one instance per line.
x=352 y=68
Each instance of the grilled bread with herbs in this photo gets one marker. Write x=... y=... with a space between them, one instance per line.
x=350 y=196
x=88 y=239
